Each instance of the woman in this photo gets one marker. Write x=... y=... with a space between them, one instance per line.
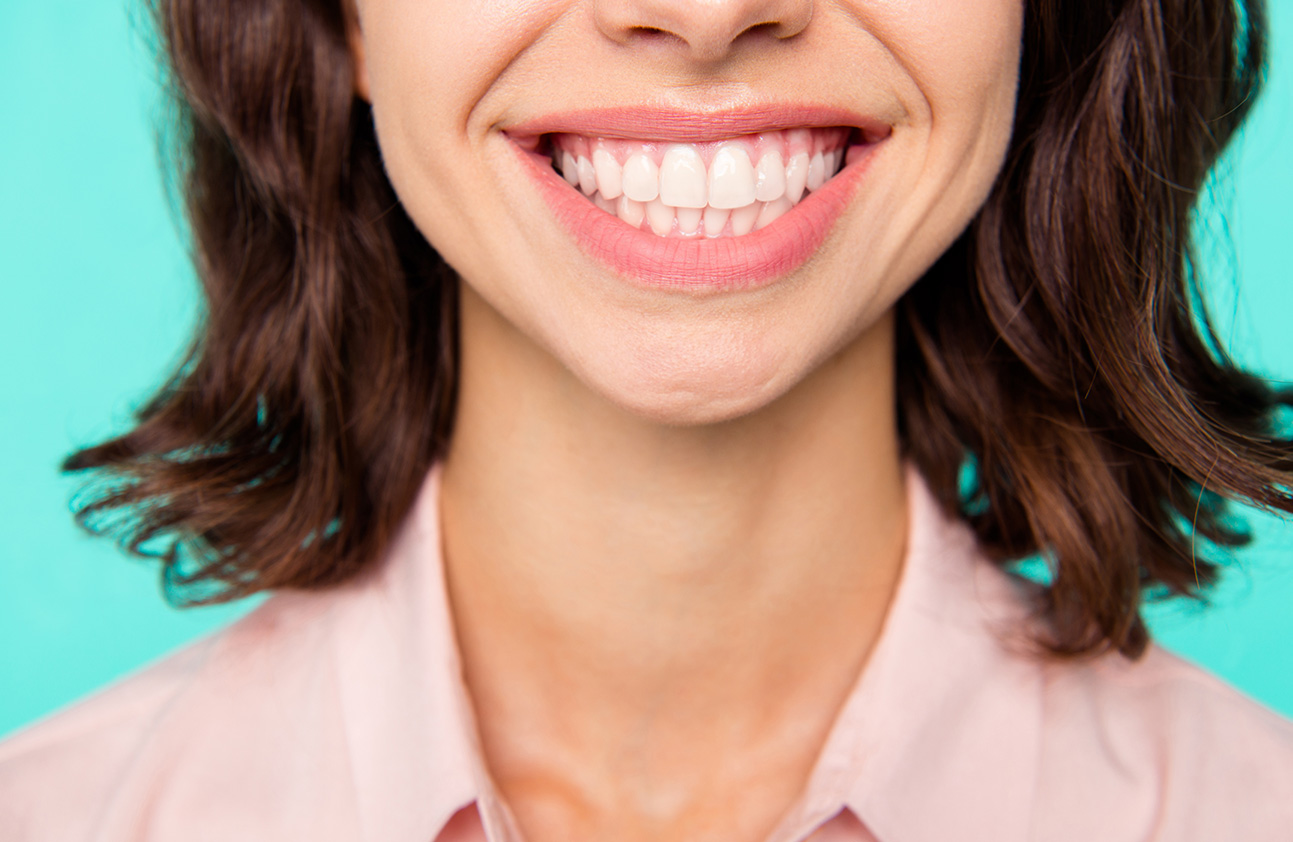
x=637 y=406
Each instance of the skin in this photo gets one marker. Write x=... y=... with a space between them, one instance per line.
x=673 y=522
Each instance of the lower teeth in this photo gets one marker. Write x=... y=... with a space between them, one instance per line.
x=711 y=222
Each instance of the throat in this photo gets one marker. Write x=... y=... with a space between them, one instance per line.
x=633 y=595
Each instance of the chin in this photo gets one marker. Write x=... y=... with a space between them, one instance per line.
x=688 y=393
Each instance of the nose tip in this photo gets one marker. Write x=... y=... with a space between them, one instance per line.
x=707 y=30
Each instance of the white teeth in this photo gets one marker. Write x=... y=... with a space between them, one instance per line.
x=731 y=178
x=770 y=177
x=816 y=172
x=771 y=212
x=570 y=169
x=682 y=177
x=659 y=217
x=797 y=176
x=715 y=220
x=587 y=176
x=743 y=219
x=641 y=181
x=681 y=197
x=630 y=211
x=609 y=174
x=689 y=220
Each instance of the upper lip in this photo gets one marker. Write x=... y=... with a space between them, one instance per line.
x=687 y=126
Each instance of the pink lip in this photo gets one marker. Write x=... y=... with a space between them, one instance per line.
x=692 y=127
x=694 y=265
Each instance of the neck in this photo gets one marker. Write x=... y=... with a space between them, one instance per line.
x=657 y=595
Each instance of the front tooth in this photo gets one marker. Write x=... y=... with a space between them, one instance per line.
x=771 y=212
x=743 y=219
x=682 y=177
x=587 y=176
x=570 y=169
x=630 y=211
x=659 y=217
x=816 y=172
x=604 y=203
x=689 y=220
x=641 y=181
x=731 y=178
x=797 y=176
x=715 y=220
x=770 y=177
x=609 y=174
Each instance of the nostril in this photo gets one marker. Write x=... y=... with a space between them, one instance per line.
x=657 y=35
x=770 y=27
x=651 y=35
x=706 y=30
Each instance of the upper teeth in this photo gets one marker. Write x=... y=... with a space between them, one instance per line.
x=684 y=189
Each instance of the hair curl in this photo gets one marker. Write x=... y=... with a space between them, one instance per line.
x=1061 y=343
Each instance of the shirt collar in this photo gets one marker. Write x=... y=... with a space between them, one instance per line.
x=940 y=737
x=414 y=752
x=937 y=740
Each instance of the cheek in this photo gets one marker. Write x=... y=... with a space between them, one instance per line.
x=451 y=48
x=959 y=75
x=435 y=70
x=431 y=65
x=966 y=41
x=962 y=56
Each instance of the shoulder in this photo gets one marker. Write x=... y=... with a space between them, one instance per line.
x=95 y=769
x=1014 y=746
x=1162 y=746
x=55 y=773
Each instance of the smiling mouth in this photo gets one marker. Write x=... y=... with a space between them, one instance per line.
x=716 y=189
x=700 y=202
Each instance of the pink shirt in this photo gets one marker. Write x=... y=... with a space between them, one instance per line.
x=342 y=716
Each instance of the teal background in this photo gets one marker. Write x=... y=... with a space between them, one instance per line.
x=98 y=301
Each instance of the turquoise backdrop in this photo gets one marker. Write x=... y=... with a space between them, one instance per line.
x=98 y=300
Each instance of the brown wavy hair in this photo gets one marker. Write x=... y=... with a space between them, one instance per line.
x=1060 y=347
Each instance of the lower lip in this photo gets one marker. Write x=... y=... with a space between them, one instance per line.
x=699 y=265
